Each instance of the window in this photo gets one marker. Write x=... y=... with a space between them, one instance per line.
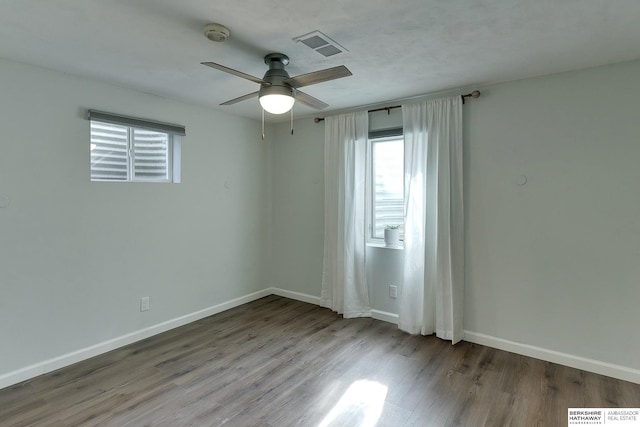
x=386 y=182
x=129 y=149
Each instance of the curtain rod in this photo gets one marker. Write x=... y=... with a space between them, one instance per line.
x=474 y=94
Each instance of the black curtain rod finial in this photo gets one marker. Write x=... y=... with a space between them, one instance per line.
x=474 y=94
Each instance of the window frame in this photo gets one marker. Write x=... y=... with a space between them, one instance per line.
x=378 y=136
x=132 y=124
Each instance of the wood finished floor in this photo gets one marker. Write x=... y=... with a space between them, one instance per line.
x=278 y=362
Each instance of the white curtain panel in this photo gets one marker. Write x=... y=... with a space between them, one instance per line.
x=344 y=286
x=431 y=300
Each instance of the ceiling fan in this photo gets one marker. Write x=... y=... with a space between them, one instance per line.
x=278 y=91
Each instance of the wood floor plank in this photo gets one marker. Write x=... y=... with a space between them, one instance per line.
x=278 y=362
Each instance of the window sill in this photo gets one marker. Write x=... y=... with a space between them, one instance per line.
x=382 y=246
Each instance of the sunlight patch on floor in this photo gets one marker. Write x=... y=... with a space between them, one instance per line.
x=360 y=406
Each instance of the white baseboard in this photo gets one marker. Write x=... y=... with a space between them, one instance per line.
x=298 y=296
x=385 y=316
x=376 y=314
x=595 y=366
x=14 y=377
x=49 y=365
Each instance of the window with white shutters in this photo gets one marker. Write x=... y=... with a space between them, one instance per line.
x=150 y=155
x=386 y=183
x=109 y=152
x=129 y=149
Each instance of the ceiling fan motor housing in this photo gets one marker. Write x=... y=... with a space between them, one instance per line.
x=276 y=58
x=276 y=75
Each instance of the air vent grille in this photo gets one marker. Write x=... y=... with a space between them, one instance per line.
x=315 y=42
x=321 y=43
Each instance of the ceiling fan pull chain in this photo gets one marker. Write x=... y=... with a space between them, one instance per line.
x=292 y=121
x=263 y=124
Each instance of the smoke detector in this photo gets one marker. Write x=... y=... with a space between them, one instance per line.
x=216 y=32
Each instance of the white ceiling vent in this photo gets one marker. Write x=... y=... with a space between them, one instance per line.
x=321 y=43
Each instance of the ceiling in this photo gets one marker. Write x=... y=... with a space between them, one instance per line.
x=395 y=49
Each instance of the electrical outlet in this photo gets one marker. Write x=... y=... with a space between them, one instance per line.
x=144 y=304
x=393 y=291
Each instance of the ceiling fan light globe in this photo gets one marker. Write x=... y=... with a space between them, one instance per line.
x=277 y=103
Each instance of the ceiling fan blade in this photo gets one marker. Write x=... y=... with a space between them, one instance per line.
x=240 y=98
x=234 y=72
x=319 y=76
x=309 y=100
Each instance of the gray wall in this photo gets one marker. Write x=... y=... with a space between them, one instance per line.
x=76 y=256
x=298 y=207
x=553 y=263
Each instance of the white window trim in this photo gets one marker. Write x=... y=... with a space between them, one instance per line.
x=176 y=159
